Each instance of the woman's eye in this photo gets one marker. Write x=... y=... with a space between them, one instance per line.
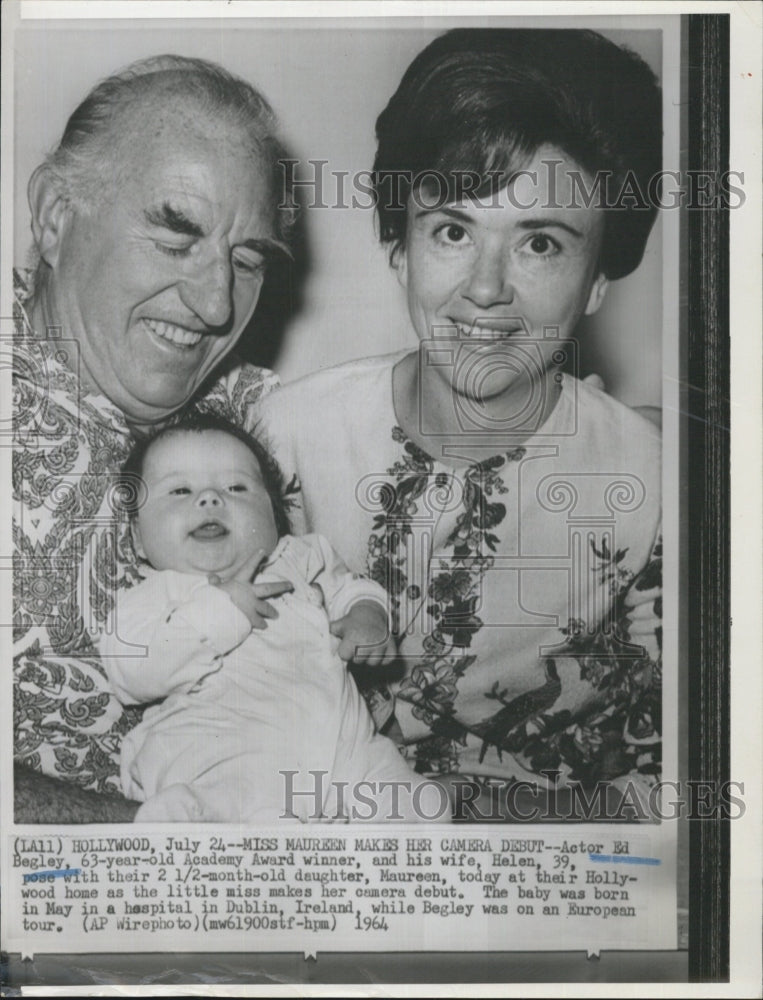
x=237 y=488
x=542 y=245
x=451 y=233
x=180 y=491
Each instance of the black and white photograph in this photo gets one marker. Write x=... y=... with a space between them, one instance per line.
x=369 y=521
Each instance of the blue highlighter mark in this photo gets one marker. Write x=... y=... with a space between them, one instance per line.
x=34 y=876
x=624 y=859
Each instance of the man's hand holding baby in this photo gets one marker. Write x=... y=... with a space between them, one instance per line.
x=365 y=635
x=248 y=597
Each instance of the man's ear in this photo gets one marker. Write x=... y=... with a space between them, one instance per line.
x=137 y=542
x=596 y=295
x=50 y=210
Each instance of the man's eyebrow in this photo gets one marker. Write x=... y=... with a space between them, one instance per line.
x=167 y=217
x=173 y=219
x=269 y=248
x=544 y=222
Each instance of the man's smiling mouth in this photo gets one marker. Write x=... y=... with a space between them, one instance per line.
x=209 y=531
x=180 y=336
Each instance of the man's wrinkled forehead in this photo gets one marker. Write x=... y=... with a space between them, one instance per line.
x=162 y=116
x=168 y=152
x=144 y=126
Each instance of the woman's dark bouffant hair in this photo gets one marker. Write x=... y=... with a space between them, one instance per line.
x=131 y=491
x=484 y=100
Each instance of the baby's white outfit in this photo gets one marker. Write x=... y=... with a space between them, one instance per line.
x=251 y=715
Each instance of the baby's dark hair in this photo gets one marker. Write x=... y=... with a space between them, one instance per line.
x=131 y=488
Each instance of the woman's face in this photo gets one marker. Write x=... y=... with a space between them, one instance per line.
x=505 y=278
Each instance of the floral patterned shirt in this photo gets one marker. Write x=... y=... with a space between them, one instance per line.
x=508 y=577
x=72 y=552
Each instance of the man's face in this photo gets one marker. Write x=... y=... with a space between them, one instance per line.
x=207 y=509
x=491 y=276
x=158 y=281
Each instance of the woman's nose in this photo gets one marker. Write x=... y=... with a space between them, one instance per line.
x=488 y=282
x=209 y=498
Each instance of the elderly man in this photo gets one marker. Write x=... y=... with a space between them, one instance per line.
x=154 y=221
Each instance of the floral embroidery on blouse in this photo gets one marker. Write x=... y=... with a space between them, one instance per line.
x=619 y=729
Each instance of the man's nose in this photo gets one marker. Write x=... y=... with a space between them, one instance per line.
x=208 y=290
x=489 y=281
x=209 y=498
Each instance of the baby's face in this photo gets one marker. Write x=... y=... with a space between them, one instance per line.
x=207 y=509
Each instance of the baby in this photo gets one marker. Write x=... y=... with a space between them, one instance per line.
x=255 y=724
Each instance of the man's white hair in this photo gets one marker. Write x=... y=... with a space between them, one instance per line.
x=85 y=161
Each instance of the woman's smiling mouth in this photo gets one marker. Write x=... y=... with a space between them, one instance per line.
x=480 y=331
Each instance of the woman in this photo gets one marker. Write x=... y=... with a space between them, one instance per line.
x=511 y=511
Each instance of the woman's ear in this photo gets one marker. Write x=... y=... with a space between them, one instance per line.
x=596 y=295
x=399 y=262
x=50 y=209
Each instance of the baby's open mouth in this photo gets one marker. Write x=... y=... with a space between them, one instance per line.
x=209 y=531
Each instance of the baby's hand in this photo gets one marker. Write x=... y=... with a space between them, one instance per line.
x=247 y=596
x=365 y=635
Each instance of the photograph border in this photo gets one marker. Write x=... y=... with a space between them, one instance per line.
x=709 y=494
x=706 y=417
